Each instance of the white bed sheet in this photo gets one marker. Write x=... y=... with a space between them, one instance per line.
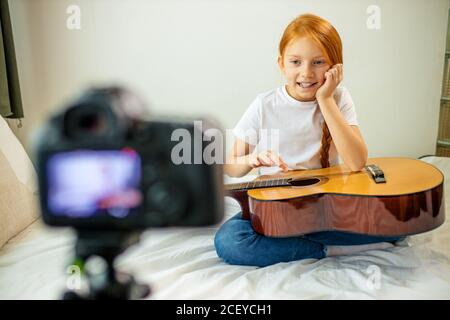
x=181 y=263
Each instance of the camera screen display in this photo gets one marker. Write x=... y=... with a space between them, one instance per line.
x=88 y=183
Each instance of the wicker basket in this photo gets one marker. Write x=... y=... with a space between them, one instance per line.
x=444 y=121
x=442 y=152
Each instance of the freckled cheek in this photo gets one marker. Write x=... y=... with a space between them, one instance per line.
x=292 y=72
x=292 y=76
x=322 y=78
x=322 y=74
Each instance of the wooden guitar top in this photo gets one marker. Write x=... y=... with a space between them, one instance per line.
x=403 y=176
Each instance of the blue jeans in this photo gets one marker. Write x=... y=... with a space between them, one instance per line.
x=237 y=243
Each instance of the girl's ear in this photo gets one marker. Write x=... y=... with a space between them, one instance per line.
x=280 y=63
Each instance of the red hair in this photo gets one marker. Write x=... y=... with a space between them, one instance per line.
x=317 y=29
x=327 y=38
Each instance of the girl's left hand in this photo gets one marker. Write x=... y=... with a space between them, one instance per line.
x=332 y=79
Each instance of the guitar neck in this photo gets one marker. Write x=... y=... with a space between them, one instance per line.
x=258 y=184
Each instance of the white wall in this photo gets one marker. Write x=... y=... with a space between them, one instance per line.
x=213 y=57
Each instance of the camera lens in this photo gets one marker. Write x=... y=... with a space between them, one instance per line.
x=86 y=121
x=92 y=123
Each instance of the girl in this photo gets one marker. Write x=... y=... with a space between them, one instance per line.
x=316 y=122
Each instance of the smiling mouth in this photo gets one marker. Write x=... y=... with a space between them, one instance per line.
x=306 y=85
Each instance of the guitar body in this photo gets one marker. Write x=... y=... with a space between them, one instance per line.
x=336 y=199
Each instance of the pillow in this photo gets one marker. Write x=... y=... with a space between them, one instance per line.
x=18 y=188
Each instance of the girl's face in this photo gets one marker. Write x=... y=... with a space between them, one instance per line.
x=304 y=67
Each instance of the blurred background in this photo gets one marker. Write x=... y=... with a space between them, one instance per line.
x=213 y=57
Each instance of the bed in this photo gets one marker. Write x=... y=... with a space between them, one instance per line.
x=181 y=263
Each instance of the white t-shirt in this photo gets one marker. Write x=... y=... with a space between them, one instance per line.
x=276 y=121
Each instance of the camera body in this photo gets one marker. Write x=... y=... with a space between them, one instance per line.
x=103 y=164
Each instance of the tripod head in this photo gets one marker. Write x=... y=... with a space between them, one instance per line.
x=104 y=281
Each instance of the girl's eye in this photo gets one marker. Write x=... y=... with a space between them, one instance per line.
x=298 y=62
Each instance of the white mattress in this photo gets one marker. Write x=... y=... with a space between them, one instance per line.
x=181 y=263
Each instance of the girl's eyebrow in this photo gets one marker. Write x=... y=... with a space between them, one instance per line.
x=296 y=56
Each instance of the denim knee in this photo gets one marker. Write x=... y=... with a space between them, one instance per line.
x=231 y=242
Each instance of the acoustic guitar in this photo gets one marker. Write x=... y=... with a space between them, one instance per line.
x=389 y=197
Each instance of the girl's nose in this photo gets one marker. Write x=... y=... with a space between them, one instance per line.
x=306 y=71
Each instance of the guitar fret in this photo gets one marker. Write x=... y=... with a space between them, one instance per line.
x=232 y=186
x=258 y=184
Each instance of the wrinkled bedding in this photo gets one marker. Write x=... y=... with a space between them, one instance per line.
x=181 y=263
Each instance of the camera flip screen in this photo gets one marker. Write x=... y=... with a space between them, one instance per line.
x=91 y=183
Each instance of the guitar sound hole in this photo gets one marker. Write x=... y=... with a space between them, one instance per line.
x=304 y=182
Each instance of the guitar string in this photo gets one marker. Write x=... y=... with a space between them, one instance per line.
x=256 y=184
x=283 y=182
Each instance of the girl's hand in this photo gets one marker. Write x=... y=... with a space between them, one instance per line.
x=332 y=79
x=267 y=159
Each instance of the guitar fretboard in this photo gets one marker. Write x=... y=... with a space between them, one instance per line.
x=258 y=184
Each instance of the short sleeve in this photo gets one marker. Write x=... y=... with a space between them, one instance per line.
x=347 y=108
x=249 y=125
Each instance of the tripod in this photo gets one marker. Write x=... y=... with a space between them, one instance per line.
x=106 y=282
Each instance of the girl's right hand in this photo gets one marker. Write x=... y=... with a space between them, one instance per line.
x=267 y=159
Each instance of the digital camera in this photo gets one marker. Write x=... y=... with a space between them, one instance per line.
x=104 y=164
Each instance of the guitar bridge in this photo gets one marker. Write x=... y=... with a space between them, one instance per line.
x=376 y=173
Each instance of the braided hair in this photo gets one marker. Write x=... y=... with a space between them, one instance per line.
x=326 y=143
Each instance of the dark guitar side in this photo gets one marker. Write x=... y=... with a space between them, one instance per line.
x=383 y=216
